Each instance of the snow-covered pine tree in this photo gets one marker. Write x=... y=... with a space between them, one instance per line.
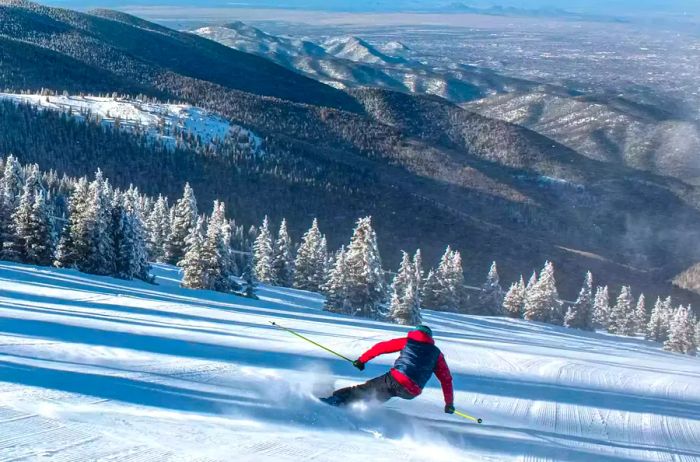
x=99 y=251
x=183 y=221
x=11 y=188
x=418 y=266
x=129 y=237
x=431 y=288
x=193 y=263
x=40 y=239
x=336 y=287
x=514 y=300
x=219 y=265
x=656 y=328
x=229 y=268
x=601 y=308
x=532 y=282
x=681 y=335
x=73 y=242
x=405 y=303
x=249 y=281
x=490 y=301
x=542 y=301
x=311 y=261
x=14 y=245
x=640 y=314
x=580 y=314
x=622 y=316
x=263 y=254
x=158 y=225
x=406 y=310
x=283 y=261
x=445 y=291
x=366 y=289
x=667 y=315
x=697 y=336
x=405 y=275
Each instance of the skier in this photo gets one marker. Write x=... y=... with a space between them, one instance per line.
x=418 y=360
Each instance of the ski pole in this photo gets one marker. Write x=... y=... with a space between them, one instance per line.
x=310 y=341
x=467 y=416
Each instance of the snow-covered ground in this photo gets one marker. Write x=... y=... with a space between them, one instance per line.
x=94 y=368
x=162 y=121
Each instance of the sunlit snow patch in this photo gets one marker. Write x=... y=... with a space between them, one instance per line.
x=164 y=122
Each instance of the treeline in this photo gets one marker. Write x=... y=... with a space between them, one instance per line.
x=538 y=300
x=98 y=229
x=355 y=284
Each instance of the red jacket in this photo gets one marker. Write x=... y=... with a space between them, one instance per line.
x=419 y=359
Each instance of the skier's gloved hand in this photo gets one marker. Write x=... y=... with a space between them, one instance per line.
x=449 y=408
x=359 y=364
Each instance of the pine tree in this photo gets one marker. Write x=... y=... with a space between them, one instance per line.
x=72 y=245
x=219 y=262
x=310 y=265
x=11 y=188
x=405 y=303
x=263 y=255
x=680 y=339
x=532 y=282
x=514 y=300
x=129 y=237
x=98 y=253
x=336 y=287
x=250 y=282
x=405 y=310
x=444 y=289
x=490 y=301
x=640 y=314
x=601 y=308
x=228 y=266
x=542 y=301
x=193 y=263
x=580 y=314
x=656 y=329
x=183 y=221
x=404 y=276
x=40 y=239
x=366 y=288
x=622 y=316
x=418 y=266
x=667 y=315
x=14 y=245
x=431 y=287
x=158 y=225
x=283 y=261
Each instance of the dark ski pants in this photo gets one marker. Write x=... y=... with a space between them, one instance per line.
x=381 y=389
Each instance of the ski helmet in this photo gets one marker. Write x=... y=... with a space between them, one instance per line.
x=425 y=329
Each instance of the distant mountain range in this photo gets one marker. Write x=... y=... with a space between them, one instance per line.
x=431 y=173
x=349 y=62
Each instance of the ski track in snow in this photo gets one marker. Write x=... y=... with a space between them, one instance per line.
x=93 y=368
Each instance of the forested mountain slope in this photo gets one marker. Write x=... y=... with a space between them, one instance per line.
x=605 y=128
x=430 y=173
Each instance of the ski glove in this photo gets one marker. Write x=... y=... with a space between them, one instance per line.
x=359 y=364
x=449 y=408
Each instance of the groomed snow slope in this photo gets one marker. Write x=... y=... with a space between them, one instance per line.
x=98 y=369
